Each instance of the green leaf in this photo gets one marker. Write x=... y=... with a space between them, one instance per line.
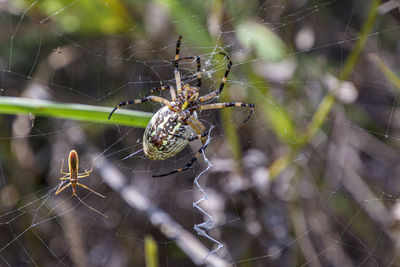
x=266 y=44
x=18 y=105
x=278 y=117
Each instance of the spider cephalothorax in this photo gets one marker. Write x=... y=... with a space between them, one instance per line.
x=175 y=124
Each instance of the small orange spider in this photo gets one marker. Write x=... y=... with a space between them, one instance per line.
x=72 y=176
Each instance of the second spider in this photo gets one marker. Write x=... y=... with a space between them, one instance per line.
x=173 y=126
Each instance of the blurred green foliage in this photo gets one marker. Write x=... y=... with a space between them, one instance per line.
x=266 y=44
x=151 y=251
x=88 y=17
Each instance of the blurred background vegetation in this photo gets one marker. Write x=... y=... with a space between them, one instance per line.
x=311 y=179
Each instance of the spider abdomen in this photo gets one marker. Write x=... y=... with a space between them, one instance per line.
x=159 y=141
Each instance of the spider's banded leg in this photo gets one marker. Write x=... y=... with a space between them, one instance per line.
x=200 y=130
x=156 y=89
x=137 y=101
x=198 y=64
x=161 y=88
x=176 y=71
x=198 y=127
x=178 y=48
x=187 y=166
x=222 y=84
x=227 y=70
x=91 y=190
x=226 y=105
x=178 y=80
x=60 y=190
x=207 y=97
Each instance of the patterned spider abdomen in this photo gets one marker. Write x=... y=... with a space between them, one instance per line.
x=159 y=141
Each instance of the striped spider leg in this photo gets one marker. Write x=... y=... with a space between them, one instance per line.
x=202 y=134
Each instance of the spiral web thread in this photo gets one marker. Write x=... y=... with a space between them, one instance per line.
x=204 y=227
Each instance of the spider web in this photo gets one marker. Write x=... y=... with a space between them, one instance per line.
x=336 y=202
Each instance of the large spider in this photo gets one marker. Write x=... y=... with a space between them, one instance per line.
x=171 y=127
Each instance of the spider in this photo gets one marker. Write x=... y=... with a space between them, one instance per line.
x=72 y=176
x=173 y=126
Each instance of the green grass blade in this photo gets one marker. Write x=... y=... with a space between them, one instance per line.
x=18 y=105
x=151 y=251
x=389 y=74
x=352 y=60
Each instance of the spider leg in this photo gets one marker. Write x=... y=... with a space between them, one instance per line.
x=62 y=167
x=102 y=214
x=198 y=63
x=201 y=131
x=60 y=203
x=226 y=105
x=222 y=84
x=198 y=72
x=161 y=88
x=188 y=165
x=176 y=71
x=83 y=175
x=66 y=177
x=60 y=190
x=156 y=89
x=137 y=101
x=199 y=128
x=86 y=173
x=178 y=47
x=91 y=190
